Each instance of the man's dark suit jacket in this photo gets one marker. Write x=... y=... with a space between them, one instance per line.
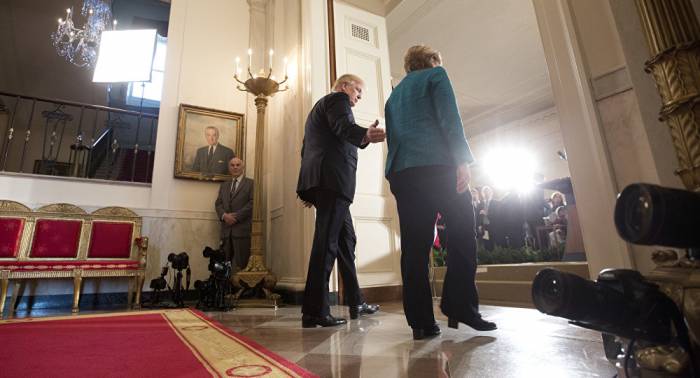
x=217 y=165
x=329 y=152
x=239 y=202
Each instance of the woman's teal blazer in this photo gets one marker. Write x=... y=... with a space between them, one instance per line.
x=423 y=126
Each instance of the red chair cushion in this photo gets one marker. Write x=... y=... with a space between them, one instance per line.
x=59 y=265
x=110 y=240
x=10 y=236
x=54 y=238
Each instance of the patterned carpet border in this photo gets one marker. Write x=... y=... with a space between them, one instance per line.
x=222 y=352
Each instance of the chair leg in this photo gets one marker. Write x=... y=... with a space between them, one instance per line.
x=3 y=293
x=77 y=281
x=129 y=292
x=15 y=296
x=139 y=285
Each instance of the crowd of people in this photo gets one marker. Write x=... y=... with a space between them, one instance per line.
x=515 y=221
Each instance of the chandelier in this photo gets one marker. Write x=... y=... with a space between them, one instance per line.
x=79 y=46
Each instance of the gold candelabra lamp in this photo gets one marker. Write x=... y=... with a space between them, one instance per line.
x=255 y=276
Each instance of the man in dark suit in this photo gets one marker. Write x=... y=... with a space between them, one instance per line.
x=327 y=181
x=234 y=207
x=213 y=158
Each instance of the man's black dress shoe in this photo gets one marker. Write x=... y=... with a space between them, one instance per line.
x=308 y=321
x=363 y=309
x=422 y=333
x=478 y=324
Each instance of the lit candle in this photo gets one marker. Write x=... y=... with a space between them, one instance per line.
x=271 y=53
x=285 y=66
x=114 y=25
x=67 y=10
x=60 y=20
x=250 y=58
x=238 y=60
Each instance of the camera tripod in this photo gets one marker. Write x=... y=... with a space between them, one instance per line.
x=177 y=290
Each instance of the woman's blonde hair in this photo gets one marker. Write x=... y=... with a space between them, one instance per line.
x=560 y=195
x=419 y=57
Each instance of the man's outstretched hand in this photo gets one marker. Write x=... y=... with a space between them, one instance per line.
x=375 y=134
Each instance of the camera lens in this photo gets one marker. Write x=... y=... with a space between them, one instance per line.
x=620 y=302
x=638 y=213
x=552 y=291
x=569 y=296
x=653 y=215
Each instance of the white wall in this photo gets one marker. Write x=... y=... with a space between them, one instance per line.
x=297 y=32
x=596 y=31
x=205 y=36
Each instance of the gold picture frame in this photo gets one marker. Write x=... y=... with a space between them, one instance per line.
x=197 y=128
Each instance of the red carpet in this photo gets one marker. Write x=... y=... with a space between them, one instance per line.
x=168 y=343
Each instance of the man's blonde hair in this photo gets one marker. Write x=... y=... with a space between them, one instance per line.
x=347 y=79
x=419 y=57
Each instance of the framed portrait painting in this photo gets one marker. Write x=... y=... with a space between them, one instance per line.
x=206 y=140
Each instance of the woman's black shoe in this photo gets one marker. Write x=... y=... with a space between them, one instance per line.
x=478 y=324
x=308 y=321
x=363 y=309
x=422 y=333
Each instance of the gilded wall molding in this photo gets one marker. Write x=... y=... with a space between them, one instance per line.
x=61 y=208
x=115 y=211
x=673 y=36
x=12 y=207
x=672 y=32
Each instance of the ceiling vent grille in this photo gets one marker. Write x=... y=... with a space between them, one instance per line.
x=360 y=32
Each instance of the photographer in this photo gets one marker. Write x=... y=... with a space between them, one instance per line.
x=234 y=208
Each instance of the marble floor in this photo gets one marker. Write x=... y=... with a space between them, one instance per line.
x=527 y=344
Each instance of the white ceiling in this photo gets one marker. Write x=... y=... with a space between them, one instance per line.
x=491 y=49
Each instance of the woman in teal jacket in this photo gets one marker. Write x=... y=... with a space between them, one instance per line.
x=428 y=171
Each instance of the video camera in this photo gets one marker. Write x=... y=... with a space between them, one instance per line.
x=213 y=292
x=179 y=261
x=621 y=303
x=219 y=265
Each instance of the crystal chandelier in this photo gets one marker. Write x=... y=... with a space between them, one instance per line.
x=79 y=46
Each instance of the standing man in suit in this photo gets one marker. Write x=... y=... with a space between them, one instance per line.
x=327 y=181
x=213 y=158
x=234 y=207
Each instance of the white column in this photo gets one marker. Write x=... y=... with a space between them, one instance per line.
x=592 y=174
